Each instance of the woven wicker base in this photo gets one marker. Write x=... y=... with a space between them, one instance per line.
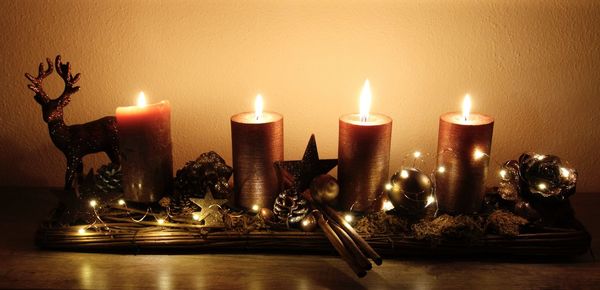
x=554 y=243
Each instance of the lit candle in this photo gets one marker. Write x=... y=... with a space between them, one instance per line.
x=363 y=156
x=464 y=144
x=257 y=142
x=146 y=150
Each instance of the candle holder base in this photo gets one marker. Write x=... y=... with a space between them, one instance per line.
x=499 y=233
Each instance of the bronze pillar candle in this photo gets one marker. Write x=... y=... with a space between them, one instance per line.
x=363 y=158
x=464 y=144
x=257 y=142
x=146 y=150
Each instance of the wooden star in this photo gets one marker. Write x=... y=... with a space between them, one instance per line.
x=305 y=170
x=210 y=211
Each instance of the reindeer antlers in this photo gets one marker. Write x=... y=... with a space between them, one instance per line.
x=63 y=70
x=36 y=82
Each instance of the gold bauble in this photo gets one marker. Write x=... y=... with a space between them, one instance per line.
x=409 y=191
x=266 y=214
x=308 y=223
x=324 y=189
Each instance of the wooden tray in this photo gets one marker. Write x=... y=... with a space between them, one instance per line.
x=553 y=243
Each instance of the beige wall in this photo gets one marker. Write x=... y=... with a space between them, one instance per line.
x=533 y=65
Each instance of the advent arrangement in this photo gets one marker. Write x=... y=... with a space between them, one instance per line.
x=264 y=202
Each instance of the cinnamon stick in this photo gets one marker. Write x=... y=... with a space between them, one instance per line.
x=338 y=245
x=357 y=254
x=354 y=235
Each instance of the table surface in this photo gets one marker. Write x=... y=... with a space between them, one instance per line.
x=22 y=265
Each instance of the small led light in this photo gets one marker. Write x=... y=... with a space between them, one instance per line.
x=305 y=222
x=196 y=217
x=348 y=217
x=478 y=154
x=81 y=231
x=404 y=174
x=542 y=186
x=255 y=208
x=160 y=221
x=121 y=202
x=417 y=154
x=388 y=186
x=503 y=173
x=430 y=200
x=387 y=205
x=93 y=203
x=441 y=169
x=565 y=172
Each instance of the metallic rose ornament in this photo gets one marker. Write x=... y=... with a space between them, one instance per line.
x=325 y=189
x=509 y=181
x=410 y=191
x=538 y=187
x=547 y=176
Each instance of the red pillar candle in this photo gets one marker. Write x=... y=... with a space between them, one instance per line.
x=464 y=144
x=363 y=157
x=146 y=150
x=257 y=142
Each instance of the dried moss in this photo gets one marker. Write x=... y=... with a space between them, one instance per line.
x=381 y=223
x=243 y=223
x=505 y=223
x=450 y=227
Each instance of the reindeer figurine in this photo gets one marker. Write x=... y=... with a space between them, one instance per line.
x=74 y=141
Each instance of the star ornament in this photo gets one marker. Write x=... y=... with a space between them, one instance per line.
x=301 y=172
x=209 y=210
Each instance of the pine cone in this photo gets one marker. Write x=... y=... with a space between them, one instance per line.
x=108 y=178
x=290 y=207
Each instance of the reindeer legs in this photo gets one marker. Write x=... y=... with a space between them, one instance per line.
x=74 y=170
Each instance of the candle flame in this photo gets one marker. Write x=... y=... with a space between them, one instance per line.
x=258 y=107
x=141 y=101
x=365 y=101
x=466 y=107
